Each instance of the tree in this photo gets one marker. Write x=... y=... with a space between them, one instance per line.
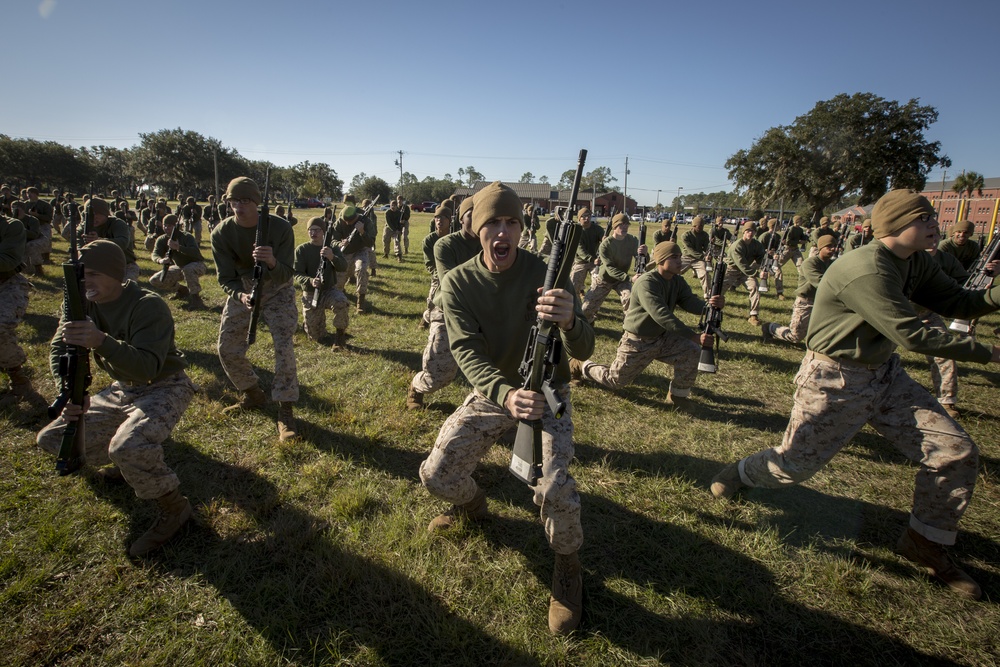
x=599 y=179
x=370 y=187
x=850 y=147
x=527 y=177
x=543 y=179
x=182 y=160
x=315 y=180
x=967 y=183
x=470 y=175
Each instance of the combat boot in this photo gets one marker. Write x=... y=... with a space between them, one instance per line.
x=46 y=257
x=952 y=410
x=22 y=389
x=754 y=321
x=932 y=556
x=414 y=399
x=39 y=271
x=474 y=510
x=362 y=306
x=175 y=510
x=195 y=302
x=340 y=342
x=286 y=421
x=252 y=398
x=727 y=482
x=765 y=332
x=575 y=371
x=181 y=293
x=566 y=603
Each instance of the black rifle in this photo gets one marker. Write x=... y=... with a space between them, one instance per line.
x=544 y=349
x=88 y=217
x=290 y=212
x=673 y=233
x=74 y=363
x=979 y=278
x=257 y=292
x=641 y=257
x=174 y=233
x=327 y=242
x=711 y=317
x=607 y=227
x=364 y=214
x=771 y=255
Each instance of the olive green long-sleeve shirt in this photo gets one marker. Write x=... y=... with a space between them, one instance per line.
x=306 y=266
x=965 y=253
x=187 y=252
x=864 y=308
x=590 y=243
x=810 y=273
x=746 y=256
x=695 y=245
x=139 y=347
x=616 y=258
x=232 y=249
x=12 y=244
x=651 y=310
x=489 y=317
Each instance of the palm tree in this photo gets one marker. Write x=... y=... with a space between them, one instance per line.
x=967 y=183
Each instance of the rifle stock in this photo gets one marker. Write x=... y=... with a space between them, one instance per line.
x=979 y=278
x=544 y=349
x=327 y=242
x=640 y=256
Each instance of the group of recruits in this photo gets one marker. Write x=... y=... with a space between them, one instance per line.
x=485 y=293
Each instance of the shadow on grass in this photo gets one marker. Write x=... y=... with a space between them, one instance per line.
x=310 y=600
x=42 y=326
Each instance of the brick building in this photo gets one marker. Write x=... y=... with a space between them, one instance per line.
x=981 y=209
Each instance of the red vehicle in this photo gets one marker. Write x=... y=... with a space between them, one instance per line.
x=424 y=207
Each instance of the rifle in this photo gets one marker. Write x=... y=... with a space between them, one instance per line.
x=364 y=213
x=88 y=217
x=711 y=317
x=74 y=364
x=607 y=228
x=170 y=255
x=979 y=278
x=839 y=247
x=544 y=349
x=640 y=257
x=327 y=242
x=257 y=292
x=673 y=233
x=770 y=264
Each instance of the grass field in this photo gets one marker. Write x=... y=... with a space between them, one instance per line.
x=316 y=551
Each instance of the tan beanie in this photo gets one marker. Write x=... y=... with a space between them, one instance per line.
x=698 y=219
x=582 y=212
x=797 y=220
x=105 y=257
x=465 y=207
x=494 y=201
x=620 y=219
x=317 y=221
x=772 y=223
x=665 y=249
x=748 y=225
x=824 y=241
x=896 y=210
x=242 y=187
x=962 y=226
x=170 y=219
x=99 y=206
x=442 y=211
x=824 y=219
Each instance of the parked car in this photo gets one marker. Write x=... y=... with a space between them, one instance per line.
x=307 y=202
x=636 y=217
x=424 y=207
x=383 y=207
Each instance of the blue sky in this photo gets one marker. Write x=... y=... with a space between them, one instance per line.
x=507 y=88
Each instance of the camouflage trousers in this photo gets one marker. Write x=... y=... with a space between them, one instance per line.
x=734 y=277
x=438 y=367
x=944 y=372
x=779 y=279
x=372 y=262
x=314 y=319
x=700 y=271
x=33 y=250
x=635 y=354
x=126 y=425
x=278 y=312
x=168 y=280
x=132 y=272
x=791 y=253
x=468 y=434
x=795 y=332
x=405 y=236
x=529 y=240
x=13 y=305
x=389 y=235
x=834 y=400
x=428 y=313
x=599 y=290
x=578 y=274
x=357 y=267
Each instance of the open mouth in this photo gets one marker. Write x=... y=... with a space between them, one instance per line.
x=501 y=251
x=90 y=294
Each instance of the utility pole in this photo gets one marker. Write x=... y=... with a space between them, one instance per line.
x=625 y=189
x=399 y=163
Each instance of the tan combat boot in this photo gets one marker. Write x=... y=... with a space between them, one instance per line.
x=21 y=388
x=361 y=304
x=414 y=399
x=727 y=482
x=754 y=321
x=175 y=510
x=252 y=398
x=566 y=603
x=286 y=421
x=340 y=343
x=474 y=510
x=933 y=557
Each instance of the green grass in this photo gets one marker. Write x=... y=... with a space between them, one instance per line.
x=316 y=552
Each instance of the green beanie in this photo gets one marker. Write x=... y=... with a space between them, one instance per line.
x=963 y=226
x=105 y=257
x=169 y=219
x=494 y=201
x=99 y=206
x=896 y=210
x=619 y=219
x=350 y=213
